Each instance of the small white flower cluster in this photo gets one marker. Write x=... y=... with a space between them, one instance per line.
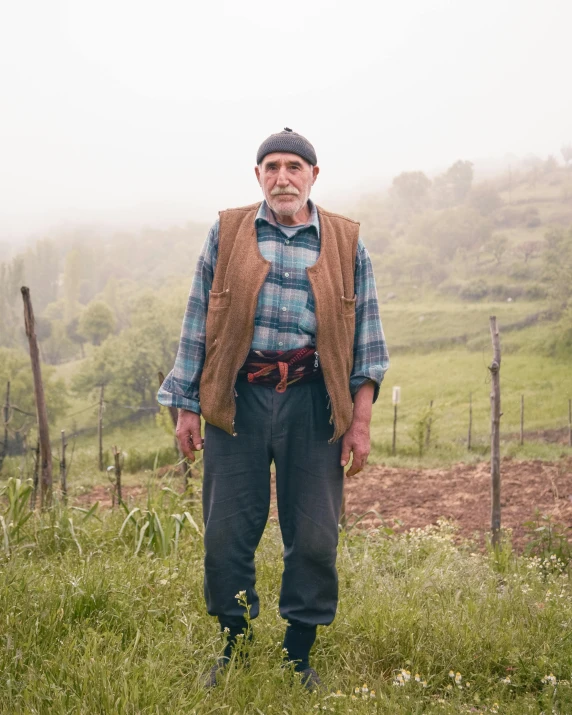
x=458 y=678
x=364 y=692
x=549 y=679
x=443 y=533
x=404 y=676
x=552 y=564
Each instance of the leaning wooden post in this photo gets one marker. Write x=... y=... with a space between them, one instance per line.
x=100 y=428
x=521 y=420
x=35 y=475
x=116 y=456
x=494 y=368
x=395 y=397
x=63 y=475
x=42 y=414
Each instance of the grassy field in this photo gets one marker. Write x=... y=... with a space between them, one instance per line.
x=413 y=325
x=448 y=378
x=425 y=624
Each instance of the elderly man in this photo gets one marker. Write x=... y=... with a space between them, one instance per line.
x=283 y=353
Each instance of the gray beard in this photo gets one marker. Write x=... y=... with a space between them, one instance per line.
x=291 y=210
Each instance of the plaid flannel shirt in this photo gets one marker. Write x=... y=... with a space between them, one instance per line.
x=285 y=317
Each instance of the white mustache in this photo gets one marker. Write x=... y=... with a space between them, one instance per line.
x=276 y=191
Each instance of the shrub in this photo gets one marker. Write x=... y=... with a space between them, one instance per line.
x=136 y=461
x=474 y=290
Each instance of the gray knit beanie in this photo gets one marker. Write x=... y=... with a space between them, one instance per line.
x=290 y=142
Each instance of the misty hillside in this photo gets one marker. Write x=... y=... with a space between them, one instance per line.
x=439 y=241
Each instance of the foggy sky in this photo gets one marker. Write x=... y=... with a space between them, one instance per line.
x=152 y=110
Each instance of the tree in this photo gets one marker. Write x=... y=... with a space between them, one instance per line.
x=411 y=189
x=450 y=230
x=558 y=271
x=529 y=249
x=73 y=334
x=127 y=364
x=485 y=199
x=452 y=187
x=15 y=367
x=566 y=152
x=558 y=265
x=97 y=322
x=57 y=347
x=72 y=281
x=497 y=245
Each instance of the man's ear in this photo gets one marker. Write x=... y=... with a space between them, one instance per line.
x=315 y=172
x=257 y=172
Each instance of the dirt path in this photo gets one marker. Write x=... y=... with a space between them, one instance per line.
x=418 y=497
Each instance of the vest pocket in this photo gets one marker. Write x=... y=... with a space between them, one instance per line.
x=348 y=305
x=218 y=301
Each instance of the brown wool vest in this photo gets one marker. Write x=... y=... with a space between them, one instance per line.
x=240 y=274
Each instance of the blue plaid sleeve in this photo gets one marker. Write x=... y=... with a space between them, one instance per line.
x=371 y=359
x=181 y=386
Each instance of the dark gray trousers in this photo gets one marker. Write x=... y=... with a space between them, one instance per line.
x=292 y=429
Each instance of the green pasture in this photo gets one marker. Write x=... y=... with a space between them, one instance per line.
x=104 y=613
x=422 y=324
x=449 y=378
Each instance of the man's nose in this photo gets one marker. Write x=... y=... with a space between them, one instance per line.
x=283 y=179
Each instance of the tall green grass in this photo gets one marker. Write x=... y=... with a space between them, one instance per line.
x=88 y=625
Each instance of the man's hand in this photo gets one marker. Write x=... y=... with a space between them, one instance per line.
x=189 y=433
x=356 y=439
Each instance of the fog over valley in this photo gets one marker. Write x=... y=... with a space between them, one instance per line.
x=125 y=114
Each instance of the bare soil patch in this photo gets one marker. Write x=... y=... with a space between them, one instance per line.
x=418 y=497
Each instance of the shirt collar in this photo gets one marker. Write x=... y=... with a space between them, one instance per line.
x=265 y=214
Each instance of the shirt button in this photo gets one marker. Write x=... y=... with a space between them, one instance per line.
x=287 y=275
x=286 y=242
x=281 y=343
x=283 y=308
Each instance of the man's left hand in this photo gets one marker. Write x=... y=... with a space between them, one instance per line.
x=356 y=441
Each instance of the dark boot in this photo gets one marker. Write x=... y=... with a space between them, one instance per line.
x=297 y=643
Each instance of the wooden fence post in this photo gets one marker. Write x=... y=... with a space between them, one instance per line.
x=42 y=414
x=100 y=429
x=116 y=456
x=494 y=368
x=429 y=423
x=396 y=398
x=63 y=474
x=470 y=435
x=521 y=420
x=6 y=415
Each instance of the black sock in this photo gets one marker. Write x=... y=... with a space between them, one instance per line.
x=298 y=641
x=236 y=627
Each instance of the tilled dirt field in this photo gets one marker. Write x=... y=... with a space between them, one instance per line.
x=417 y=497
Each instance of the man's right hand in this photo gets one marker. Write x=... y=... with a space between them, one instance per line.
x=189 y=433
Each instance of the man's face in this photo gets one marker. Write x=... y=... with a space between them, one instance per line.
x=286 y=181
